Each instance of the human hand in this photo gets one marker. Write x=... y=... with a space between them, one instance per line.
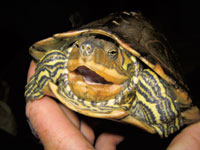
x=188 y=139
x=60 y=129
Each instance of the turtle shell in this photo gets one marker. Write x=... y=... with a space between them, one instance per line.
x=132 y=32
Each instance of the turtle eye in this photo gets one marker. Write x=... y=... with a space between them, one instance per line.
x=112 y=53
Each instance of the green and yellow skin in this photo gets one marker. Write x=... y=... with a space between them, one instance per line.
x=101 y=79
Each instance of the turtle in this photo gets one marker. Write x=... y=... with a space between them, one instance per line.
x=119 y=68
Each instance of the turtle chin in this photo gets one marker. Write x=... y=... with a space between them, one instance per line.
x=88 y=85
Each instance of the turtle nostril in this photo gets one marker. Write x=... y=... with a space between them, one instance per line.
x=86 y=49
x=83 y=47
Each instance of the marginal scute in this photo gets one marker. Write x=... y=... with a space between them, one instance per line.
x=191 y=115
x=158 y=69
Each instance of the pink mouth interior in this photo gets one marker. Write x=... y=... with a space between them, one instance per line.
x=90 y=76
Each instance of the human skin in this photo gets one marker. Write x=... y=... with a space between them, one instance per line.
x=60 y=129
x=188 y=139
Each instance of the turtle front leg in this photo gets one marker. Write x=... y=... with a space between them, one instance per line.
x=155 y=104
x=49 y=69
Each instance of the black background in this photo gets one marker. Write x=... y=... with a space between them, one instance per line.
x=25 y=22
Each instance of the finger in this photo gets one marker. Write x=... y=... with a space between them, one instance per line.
x=188 y=139
x=31 y=70
x=53 y=127
x=107 y=141
x=71 y=116
x=81 y=125
x=87 y=131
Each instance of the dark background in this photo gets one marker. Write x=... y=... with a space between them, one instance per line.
x=25 y=22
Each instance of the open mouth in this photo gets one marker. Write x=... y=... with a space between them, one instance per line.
x=91 y=77
x=87 y=84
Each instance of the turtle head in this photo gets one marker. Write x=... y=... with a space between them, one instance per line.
x=95 y=69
